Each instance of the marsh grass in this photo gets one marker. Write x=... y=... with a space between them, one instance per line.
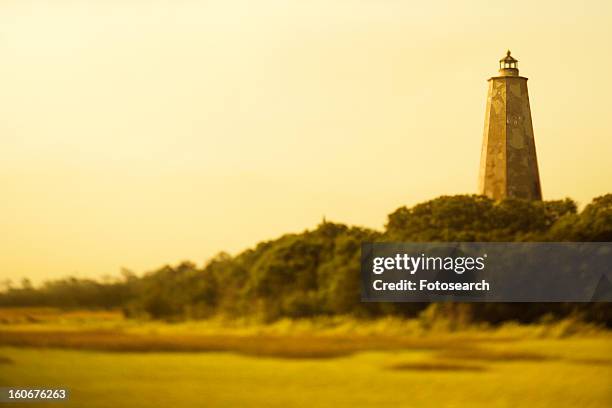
x=47 y=315
x=436 y=366
x=327 y=362
x=592 y=361
x=493 y=355
x=280 y=346
x=321 y=338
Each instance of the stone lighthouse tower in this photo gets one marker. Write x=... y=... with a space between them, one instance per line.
x=508 y=163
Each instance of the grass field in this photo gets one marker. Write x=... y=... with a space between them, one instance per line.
x=302 y=364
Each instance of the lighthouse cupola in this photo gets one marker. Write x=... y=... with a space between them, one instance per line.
x=508 y=66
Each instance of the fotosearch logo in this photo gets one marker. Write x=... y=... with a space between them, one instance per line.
x=413 y=264
x=486 y=271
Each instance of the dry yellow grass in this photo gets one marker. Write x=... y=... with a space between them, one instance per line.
x=109 y=361
x=437 y=366
x=25 y=315
x=481 y=354
x=315 y=338
x=285 y=346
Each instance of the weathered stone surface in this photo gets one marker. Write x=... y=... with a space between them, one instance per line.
x=508 y=166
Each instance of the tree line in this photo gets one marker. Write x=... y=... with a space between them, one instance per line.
x=316 y=272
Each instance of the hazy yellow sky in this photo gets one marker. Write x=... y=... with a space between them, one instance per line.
x=137 y=133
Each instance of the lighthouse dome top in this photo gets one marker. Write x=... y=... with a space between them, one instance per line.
x=508 y=58
x=508 y=66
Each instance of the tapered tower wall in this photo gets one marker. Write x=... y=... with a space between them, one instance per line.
x=509 y=166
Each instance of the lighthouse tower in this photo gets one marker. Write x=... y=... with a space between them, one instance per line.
x=508 y=163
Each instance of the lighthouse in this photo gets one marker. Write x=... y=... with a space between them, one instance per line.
x=508 y=163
